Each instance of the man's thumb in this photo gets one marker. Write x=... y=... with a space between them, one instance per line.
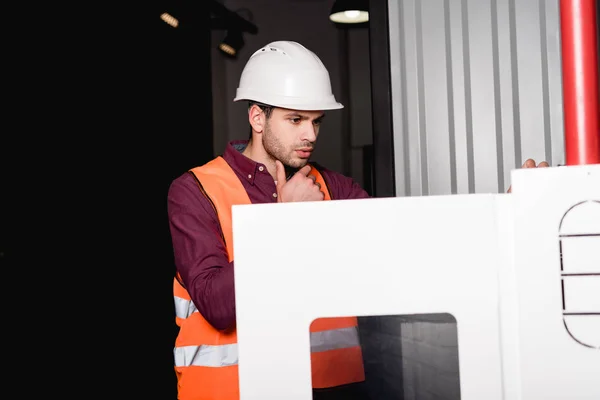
x=280 y=174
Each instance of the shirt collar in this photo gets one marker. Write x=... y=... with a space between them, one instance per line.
x=241 y=164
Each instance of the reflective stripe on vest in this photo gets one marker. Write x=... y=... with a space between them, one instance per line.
x=227 y=354
x=206 y=359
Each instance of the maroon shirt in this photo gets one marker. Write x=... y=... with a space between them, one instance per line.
x=200 y=256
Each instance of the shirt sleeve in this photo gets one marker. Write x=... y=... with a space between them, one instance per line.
x=342 y=187
x=199 y=253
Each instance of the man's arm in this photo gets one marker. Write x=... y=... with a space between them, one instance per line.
x=199 y=252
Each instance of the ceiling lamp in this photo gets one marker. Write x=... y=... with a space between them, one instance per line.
x=232 y=43
x=350 y=11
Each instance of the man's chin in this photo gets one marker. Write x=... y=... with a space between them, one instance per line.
x=300 y=163
x=293 y=166
x=297 y=162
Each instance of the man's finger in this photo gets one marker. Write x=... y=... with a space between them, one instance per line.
x=529 y=163
x=543 y=164
x=280 y=174
x=314 y=178
x=304 y=170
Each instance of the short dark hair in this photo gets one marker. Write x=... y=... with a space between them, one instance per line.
x=267 y=109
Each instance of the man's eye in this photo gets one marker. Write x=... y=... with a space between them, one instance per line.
x=295 y=120
x=317 y=122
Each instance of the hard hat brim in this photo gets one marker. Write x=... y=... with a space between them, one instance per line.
x=290 y=103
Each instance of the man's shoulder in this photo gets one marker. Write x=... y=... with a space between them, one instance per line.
x=186 y=178
x=340 y=185
x=216 y=162
x=329 y=173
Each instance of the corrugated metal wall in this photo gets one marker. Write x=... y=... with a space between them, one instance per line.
x=476 y=90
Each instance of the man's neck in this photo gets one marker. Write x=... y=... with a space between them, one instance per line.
x=259 y=155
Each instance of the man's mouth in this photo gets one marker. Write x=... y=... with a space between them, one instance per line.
x=304 y=152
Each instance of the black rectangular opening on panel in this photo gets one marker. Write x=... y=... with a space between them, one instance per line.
x=383 y=357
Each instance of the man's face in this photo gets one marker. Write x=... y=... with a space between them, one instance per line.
x=290 y=135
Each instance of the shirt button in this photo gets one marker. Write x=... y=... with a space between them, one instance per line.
x=261 y=168
x=274 y=194
x=249 y=176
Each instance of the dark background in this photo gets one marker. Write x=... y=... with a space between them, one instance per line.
x=105 y=107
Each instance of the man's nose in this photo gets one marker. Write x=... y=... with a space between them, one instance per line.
x=310 y=133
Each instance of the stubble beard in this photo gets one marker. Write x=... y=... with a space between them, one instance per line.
x=276 y=150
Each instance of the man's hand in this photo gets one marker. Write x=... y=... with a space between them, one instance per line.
x=300 y=187
x=530 y=163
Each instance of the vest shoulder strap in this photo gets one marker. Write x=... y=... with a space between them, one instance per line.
x=321 y=180
x=219 y=183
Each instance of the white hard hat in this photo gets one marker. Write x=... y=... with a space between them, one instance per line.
x=286 y=74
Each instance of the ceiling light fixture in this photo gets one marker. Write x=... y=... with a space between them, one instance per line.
x=169 y=19
x=350 y=11
x=232 y=43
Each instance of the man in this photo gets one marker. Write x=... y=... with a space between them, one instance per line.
x=288 y=90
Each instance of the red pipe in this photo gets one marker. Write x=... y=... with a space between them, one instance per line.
x=580 y=81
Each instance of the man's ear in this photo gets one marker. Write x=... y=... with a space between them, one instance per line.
x=256 y=117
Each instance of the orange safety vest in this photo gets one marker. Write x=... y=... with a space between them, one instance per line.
x=206 y=360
